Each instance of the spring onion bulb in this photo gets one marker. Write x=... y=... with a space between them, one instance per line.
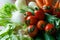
x=20 y=4
x=17 y=17
x=33 y=5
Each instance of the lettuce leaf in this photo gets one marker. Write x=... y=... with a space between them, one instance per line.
x=5 y=13
x=10 y=32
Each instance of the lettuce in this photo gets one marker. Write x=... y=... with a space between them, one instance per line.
x=5 y=13
x=10 y=31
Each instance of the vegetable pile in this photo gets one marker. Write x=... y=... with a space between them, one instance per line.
x=39 y=20
x=44 y=22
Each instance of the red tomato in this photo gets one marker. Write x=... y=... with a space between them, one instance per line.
x=31 y=20
x=25 y=17
x=49 y=27
x=39 y=14
x=28 y=13
x=56 y=12
x=40 y=24
x=47 y=8
x=32 y=30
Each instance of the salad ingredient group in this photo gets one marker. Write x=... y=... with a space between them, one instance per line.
x=39 y=20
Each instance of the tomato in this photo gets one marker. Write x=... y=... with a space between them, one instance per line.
x=32 y=30
x=56 y=12
x=47 y=8
x=39 y=14
x=28 y=13
x=40 y=24
x=25 y=17
x=49 y=27
x=31 y=20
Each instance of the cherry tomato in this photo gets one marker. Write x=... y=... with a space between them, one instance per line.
x=40 y=24
x=31 y=20
x=25 y=17
x=56 y=12
x=28 y=13
x=47 y=8
x=32 y=30
x=39 y=14
x=49 y=27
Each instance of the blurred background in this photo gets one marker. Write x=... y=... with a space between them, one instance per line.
x=2 y=2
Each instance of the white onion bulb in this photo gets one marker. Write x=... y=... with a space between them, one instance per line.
x=17 y=17
x=32 y=5
x=20 y=4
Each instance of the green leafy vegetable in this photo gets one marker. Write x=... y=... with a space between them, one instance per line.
x=4 y=31
x=13 y=37
x=5 y=13
x=10 y=32
x=5 y=37
x=58 y=35
x=26 y=9
x=52 y=19
x=48 y=36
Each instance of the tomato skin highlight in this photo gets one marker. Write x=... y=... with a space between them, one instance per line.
x=31 y=20
x=32 y=30
x=47 y=8
x=49 y=27
x=28 y=13
x=39 y=14
x=41 y=24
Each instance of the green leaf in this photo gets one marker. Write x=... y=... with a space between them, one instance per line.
x=52 y=19
x=4 y=31
x=48 y=36
x=58 y=35
x=5 y=13
x=5 y=37
x=28 y=9
x=13 y=37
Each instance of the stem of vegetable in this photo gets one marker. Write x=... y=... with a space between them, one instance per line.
x=57 y=4
x=39 y=3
